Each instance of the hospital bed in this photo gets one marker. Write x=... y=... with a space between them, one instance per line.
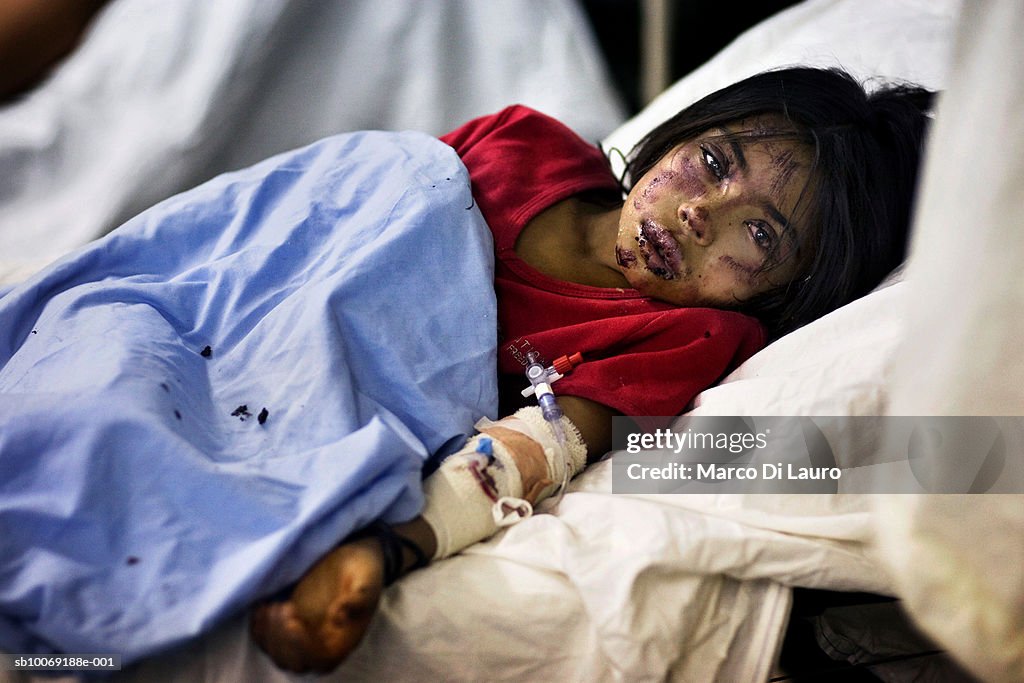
x=699 y=587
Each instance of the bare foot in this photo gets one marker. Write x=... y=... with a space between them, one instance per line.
x=327 y=613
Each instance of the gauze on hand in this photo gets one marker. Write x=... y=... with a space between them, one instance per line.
x=488 y=485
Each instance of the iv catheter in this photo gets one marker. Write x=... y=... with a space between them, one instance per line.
x=562 y=366
x=540 y=385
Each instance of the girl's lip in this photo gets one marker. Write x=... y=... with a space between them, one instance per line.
x=659 y=250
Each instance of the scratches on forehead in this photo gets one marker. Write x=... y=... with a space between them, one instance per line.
x=784 y=165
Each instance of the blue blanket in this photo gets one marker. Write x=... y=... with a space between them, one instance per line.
x=198 y=406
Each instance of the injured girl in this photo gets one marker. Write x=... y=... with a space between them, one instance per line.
x=754 y=211
x=197 y=407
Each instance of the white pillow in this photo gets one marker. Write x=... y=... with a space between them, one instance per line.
x=839 y=364
x=909 y=40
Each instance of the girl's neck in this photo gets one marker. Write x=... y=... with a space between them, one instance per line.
x=574 y=241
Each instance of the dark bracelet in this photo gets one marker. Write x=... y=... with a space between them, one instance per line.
x=392 y=545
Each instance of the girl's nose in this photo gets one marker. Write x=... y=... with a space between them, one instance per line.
x=695 y=223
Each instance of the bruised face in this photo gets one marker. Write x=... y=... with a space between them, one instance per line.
x=712 y=223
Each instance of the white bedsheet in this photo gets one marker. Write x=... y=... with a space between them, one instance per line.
x=613 y=587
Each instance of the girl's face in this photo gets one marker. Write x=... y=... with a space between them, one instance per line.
x=700 y=224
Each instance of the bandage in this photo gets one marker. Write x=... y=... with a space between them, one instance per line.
x=481 y=489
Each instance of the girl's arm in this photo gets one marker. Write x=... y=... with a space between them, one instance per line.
x=332 y=605
x=592 y=420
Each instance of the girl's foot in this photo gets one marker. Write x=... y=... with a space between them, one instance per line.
x=330 y=608
x=328 y=612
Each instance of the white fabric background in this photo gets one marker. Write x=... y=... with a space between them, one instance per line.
x=161 y=96
x=958 y=561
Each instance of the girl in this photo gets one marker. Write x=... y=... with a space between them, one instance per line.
x=752 y=212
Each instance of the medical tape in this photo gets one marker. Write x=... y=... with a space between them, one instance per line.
x=479 y=489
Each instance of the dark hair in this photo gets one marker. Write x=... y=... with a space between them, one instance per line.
x=866 y=149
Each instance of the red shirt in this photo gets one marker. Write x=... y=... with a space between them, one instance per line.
x=641 y=356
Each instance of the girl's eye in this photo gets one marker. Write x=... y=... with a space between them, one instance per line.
x=717 y=167
x=762 y=234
